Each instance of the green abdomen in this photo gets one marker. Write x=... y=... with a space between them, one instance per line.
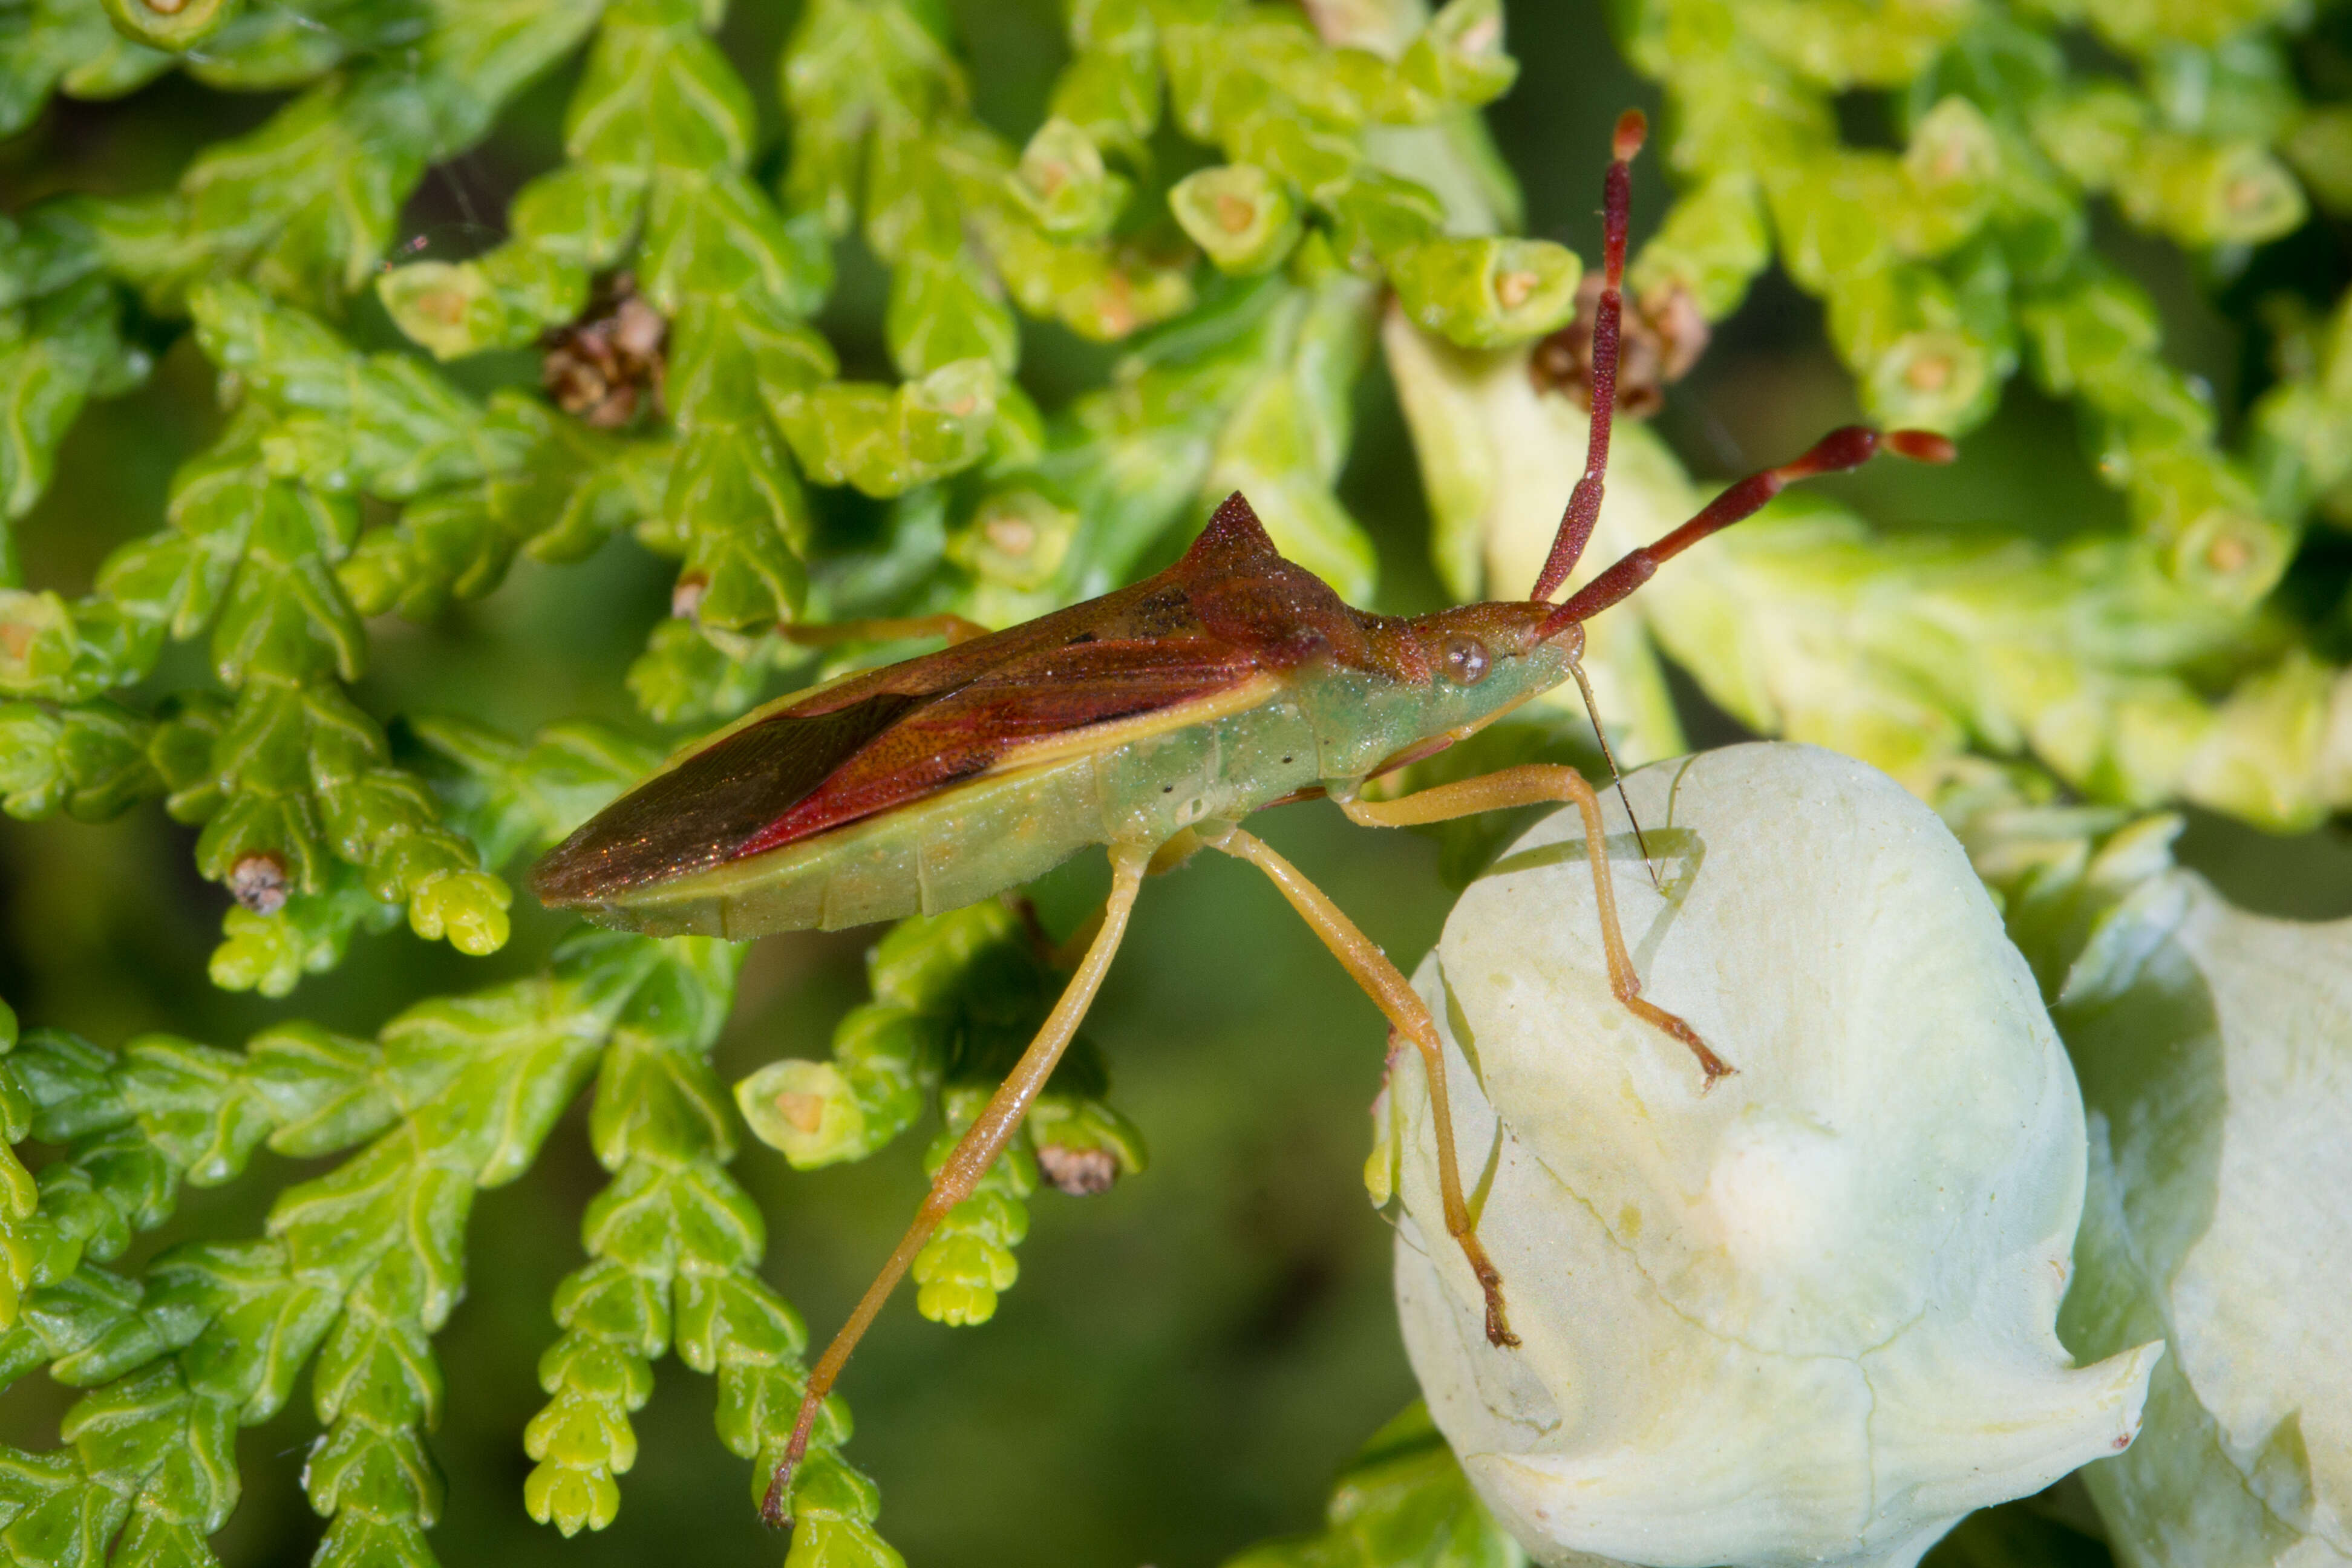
x=994 y=833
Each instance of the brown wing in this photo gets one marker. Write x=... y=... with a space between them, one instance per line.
x=953 y=736
x=1231 y=607
x=793 y=773
x=695 y=814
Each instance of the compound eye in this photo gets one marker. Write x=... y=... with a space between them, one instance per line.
x=1466 y=661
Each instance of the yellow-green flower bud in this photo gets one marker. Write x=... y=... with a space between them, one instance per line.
x=1831 y=213
x=1850 y=43
x=1382 y=215
x=174 y=25
x=1104 y=291
x=1485 y=293
x=886 y=440
x=2092 y=132
x=2206 y=192
x=448 y=309
x=1014 y=546
x=1241 y=217
x=805 y=1110
x=2204 y=515
x=1937 y=380
x=1949 y=169
x=37 y=641
x=1458 y=60
x=1806 y=1316
x=1061 y=182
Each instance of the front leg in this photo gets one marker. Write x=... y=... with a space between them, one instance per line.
x=1538 y=784
x=1407 y=1015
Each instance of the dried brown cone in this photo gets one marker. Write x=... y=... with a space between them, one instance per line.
x=609 y=363
x=1662 y=337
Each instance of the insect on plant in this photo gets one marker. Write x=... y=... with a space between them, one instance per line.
x=1149 y=721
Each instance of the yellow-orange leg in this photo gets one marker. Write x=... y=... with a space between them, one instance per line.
x=903 y=628
x=1395 y=996
x=1534 y=784
x=1067 y=954
x=972 y=1155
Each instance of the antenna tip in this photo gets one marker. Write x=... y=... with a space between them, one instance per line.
x=1922 y=446
x=1633 y=130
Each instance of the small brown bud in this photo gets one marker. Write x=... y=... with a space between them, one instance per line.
x=638 y=331
x=1081 y=1172
x=1662 y=337
x=604 y=366
x=258 y=882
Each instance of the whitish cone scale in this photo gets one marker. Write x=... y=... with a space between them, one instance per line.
x=1808 y=1317
x=2216 y=1049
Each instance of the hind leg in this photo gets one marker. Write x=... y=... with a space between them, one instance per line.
x=982 y=1142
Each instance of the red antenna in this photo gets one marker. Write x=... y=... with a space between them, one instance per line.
x=1849 y=447
x=1584 y=501
x=1846 y=449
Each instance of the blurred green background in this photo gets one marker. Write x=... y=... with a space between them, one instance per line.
x=1186 y=1360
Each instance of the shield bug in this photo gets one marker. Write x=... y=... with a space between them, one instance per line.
x=1151 y=720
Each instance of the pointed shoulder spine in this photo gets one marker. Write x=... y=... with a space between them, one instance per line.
x=1233 y=531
